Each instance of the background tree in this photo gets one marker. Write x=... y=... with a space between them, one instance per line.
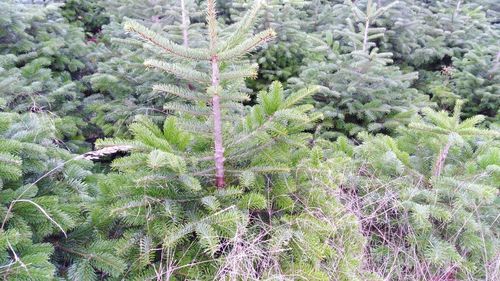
x=294 y=24
x=122 y=87
x=361 y=89
x=43 y=188
x=41 y=59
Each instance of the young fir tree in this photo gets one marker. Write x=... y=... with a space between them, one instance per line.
x=42 y=190
x=435 y=220
x=41 y=56
x=361 y=89
x=222 y=191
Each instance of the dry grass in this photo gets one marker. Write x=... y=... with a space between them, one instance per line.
x=378 y=209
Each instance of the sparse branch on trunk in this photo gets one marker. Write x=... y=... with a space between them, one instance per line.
x=438 y=167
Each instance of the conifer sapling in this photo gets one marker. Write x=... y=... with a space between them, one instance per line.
x=217 y=53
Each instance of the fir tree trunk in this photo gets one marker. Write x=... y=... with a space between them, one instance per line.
x=219 y=149
x=185 y=24
x=365 y=36
x=457 y=10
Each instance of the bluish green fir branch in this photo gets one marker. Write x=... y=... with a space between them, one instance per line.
x=243 y=27
x=180 y=92
x=187 y=108
x=178 y=70
x=248 y=45
x=165 y=44
x=249 y=72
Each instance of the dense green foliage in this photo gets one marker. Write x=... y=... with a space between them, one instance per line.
x=249 y=140
x=43 y=191
x=87 y=14
x=41 y=59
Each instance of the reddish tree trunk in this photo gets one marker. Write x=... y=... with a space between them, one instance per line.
x=219 y=149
